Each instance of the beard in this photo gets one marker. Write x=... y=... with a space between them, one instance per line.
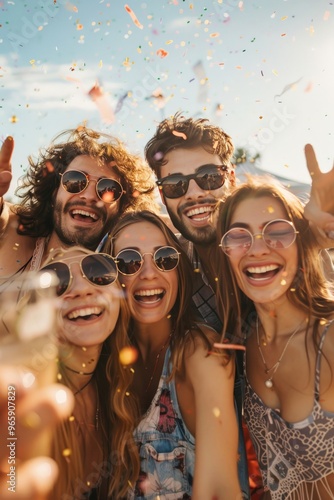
x=88 y=238
x=199 y=236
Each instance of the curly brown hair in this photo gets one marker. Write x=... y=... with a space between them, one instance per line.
x=186 y=133
x=42 y=179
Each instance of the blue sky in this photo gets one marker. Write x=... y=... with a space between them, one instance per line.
x=263 y=70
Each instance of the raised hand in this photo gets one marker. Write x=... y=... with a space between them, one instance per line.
x=6 y=152
x=320 y=208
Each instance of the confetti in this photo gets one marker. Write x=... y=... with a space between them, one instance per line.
x=162 y=53
x=128 y=355
x=14 y=119
x=216 y=412
x=214 y=35
x=288 y=87
x=179 y=134
x=133 y=17
x=326 y=15
x=100 y=99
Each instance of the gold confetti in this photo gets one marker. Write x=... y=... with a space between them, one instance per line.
x=284 y=18
x=216 y=412
x=14 y=119
x=270 y=209
x=128 y=355
x=169 y=42
x=283 y=282
x=214 y=35
x=67 y=452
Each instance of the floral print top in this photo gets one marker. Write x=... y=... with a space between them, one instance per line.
x=166 y=447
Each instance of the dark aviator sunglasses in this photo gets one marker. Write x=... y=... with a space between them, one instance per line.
x=207 y=177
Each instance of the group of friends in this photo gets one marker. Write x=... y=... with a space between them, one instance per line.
x=196 y=348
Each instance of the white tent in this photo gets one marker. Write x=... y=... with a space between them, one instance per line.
x=302 y=190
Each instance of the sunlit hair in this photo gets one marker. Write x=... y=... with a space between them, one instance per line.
x=182 y=321
x=186 y=133
x=39 y=185
x=66 y=434
x=309 y=291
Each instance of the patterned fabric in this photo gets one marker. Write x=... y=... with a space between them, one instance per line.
x=292 y=454
x=166 y=447
x=203 y=297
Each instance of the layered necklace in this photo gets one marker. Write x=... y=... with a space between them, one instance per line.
x=273 y=369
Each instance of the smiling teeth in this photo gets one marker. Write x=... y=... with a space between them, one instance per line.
x=148 y=293
x=197 y=211
x=261 y=269
x=87 y=311
x=86 y=214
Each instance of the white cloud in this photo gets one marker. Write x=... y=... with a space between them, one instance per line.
x=51 y=86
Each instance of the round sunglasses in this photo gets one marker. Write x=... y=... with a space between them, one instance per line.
x=129 y=261
x=207 y=177
x=99 y=269
x=75 y=181
x=277 y=234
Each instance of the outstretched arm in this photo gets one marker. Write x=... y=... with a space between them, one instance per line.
x=216 y=457
x=37 y=410
x=320 y=208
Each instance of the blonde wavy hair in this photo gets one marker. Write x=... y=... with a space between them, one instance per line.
x=65 y=449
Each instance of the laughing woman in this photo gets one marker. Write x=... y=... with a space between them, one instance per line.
x=92 y=315
x=277 y=300
x=185 y=423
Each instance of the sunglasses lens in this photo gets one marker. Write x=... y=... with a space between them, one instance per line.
x=74 y=181
x=166 y=258
x=129 y=262
x=100 y=269
x=62 y=272
x=210 y=177
x=236 y=240
x=175 y=186
x=279 y=234
x=109 y=190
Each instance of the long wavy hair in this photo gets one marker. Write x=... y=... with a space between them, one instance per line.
x=42 y=180
x=310 y=291
x=66 y=434
x=120 y=377
x=186 y=133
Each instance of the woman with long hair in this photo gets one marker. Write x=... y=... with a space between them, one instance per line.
x=180 y=390
x=92 y=313
x=272 y=291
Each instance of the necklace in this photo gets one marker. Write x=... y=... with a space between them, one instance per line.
x=83 y=387
x=76 y=371
x=269 y=382
x=157 y=359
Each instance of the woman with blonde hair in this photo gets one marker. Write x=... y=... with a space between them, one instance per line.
x=93 y=319
x=180 y=390
x=275 y=299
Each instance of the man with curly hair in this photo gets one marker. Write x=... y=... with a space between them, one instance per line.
x=71 y=195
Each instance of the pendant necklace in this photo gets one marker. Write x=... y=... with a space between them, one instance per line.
x=157 y=359
x=269 y=382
